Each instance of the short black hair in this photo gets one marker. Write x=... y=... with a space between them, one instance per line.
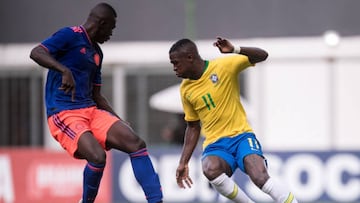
x=110 y=8
x=182 y=44
x=106 y=6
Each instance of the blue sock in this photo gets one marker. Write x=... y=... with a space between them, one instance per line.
x=92 y=177
x=146 y=176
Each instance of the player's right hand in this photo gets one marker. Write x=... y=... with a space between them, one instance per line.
x=182 y=176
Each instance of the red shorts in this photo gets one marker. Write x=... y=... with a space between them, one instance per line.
x=67 y=126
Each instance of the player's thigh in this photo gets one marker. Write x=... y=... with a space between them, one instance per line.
x=255 y=167
x=247 y=144
x=218 y=158
x=213 y=166
x=90 y=149
x=122 y=137
x=68 y=126
x=111 y=132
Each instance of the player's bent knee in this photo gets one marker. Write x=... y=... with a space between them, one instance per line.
x=259 y=179
x=98 y=157
x=212 y=171
x=140 y=144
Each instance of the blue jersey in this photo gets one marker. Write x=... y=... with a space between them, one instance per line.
x=72 y=47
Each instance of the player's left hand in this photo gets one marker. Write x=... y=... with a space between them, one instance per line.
x=224 y=45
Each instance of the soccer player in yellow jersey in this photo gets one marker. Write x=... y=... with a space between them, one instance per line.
x=211 y=103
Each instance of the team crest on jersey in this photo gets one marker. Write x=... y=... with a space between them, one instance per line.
x=214 y=78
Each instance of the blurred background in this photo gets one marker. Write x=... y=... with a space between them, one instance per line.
x=302 y=102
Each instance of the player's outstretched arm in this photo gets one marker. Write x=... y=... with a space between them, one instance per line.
x=254 y=54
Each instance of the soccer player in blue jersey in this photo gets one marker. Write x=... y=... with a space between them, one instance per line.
x=211 y=102
x=79 y=117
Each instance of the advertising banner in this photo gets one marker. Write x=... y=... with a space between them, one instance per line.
x=313 y=176
x=40 y=176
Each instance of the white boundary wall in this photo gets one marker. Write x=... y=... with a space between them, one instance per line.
x=304 y=97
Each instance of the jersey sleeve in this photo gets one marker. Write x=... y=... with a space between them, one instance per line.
x=59 y=41
x=237 y=63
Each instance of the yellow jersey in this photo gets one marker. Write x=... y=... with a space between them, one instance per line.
x=214 y=99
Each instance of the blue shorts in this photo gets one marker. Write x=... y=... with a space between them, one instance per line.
x=234 y=149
